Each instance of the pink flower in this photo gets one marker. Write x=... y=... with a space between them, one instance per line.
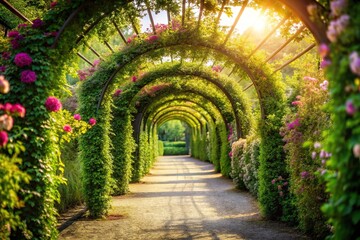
x=175 y=25
x=82 y=75
x=117 y=92
x=92 y=121
x=322 y=154
x=273 y=181
x=22 y=60
x=350 y=108
x=296 y=103
x=355 y=63
x=313 y=155
x=6 y=55
x=325 y=63
x=133 y=78
x=304 y=174
x=311 y=79
x=336 y=27
x=77 y=117
x=323 y=50
x=324 y=85
x=356 y=150
x=53 y=104
x=28 y=76
x=337 y=7
x=67 y=128
x=152 y=38
x=18 y=110
x=37 y=23
x=294 y=124
x=6 y=122
x=230 y=154
x=130 y=39
x=285 y=184
x=159 y=28
x=14 y=44
x=6 y=107
x=317 y=145
x=53 y=5
x=96 y=62
x=2 y=68
x=3 y=138
x=281 y=193
x=217 y=68
x=4 y=85
x=13 y=34
x=22 y=25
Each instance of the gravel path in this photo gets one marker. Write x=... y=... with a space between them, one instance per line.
x=182 y=198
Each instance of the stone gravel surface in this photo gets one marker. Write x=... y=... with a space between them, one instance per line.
x=182 y=198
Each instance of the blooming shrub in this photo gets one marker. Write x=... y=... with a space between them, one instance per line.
x=305 y=158
x=22 y=60
x=28 y=76
x=245 y=164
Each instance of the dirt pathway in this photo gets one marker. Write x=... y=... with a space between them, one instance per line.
x=182 y=198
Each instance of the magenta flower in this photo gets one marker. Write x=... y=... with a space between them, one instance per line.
x=13 y=34
x=18 y=110
x=28 y=76
x=6 y=107
x=67 y=128
x=325 y=63
x=77 y=117
x=152 y=38
x=82 y=75
x=337 y=7
x=133 y=78
x=273 y=181
x=53 y=5
x=92 y=121
x=323 y=50
x=356 y=150
x=37 y=23
x=22 y=60
x=2 y=68
x=350 y=108
x=53 y=104
x=304 y=174
x=117 y=92
x=3 y=138
x=22 y=25
x=6 y=55
x=294 y=124
x=355 y=63
x=15 y=44
x=230 y=154
x=96 y=62
x=296 y=103
x=324 y=85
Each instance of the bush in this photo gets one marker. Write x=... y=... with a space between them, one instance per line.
x=245 y=164
x=174 y=144
x=175 y=151
x=71 y=193
x=161 y=148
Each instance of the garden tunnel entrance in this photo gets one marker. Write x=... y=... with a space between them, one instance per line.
x=195 y=69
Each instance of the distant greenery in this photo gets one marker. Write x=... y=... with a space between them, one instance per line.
x=175 y=148
x=172 y=130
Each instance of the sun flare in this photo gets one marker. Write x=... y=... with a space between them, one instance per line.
x=251 y=18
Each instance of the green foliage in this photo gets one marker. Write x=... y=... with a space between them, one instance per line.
x=343 y=207
x=123 y=150
x=71 y=193
x=306 y=183
x=175 y=148
x=172 y=131
x=161 y=148
x=11 y=181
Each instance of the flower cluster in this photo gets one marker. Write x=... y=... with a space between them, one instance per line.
x=22 y=60
x=117 y=92
x=294 y=124
x=28 y=76
x=336 y=27
x=281 y=184
x=131 y=38
x=15 y=37
x=88 y=72
x=217 y=68
x=7 y=112
x=53 y=104
x=355 y=63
